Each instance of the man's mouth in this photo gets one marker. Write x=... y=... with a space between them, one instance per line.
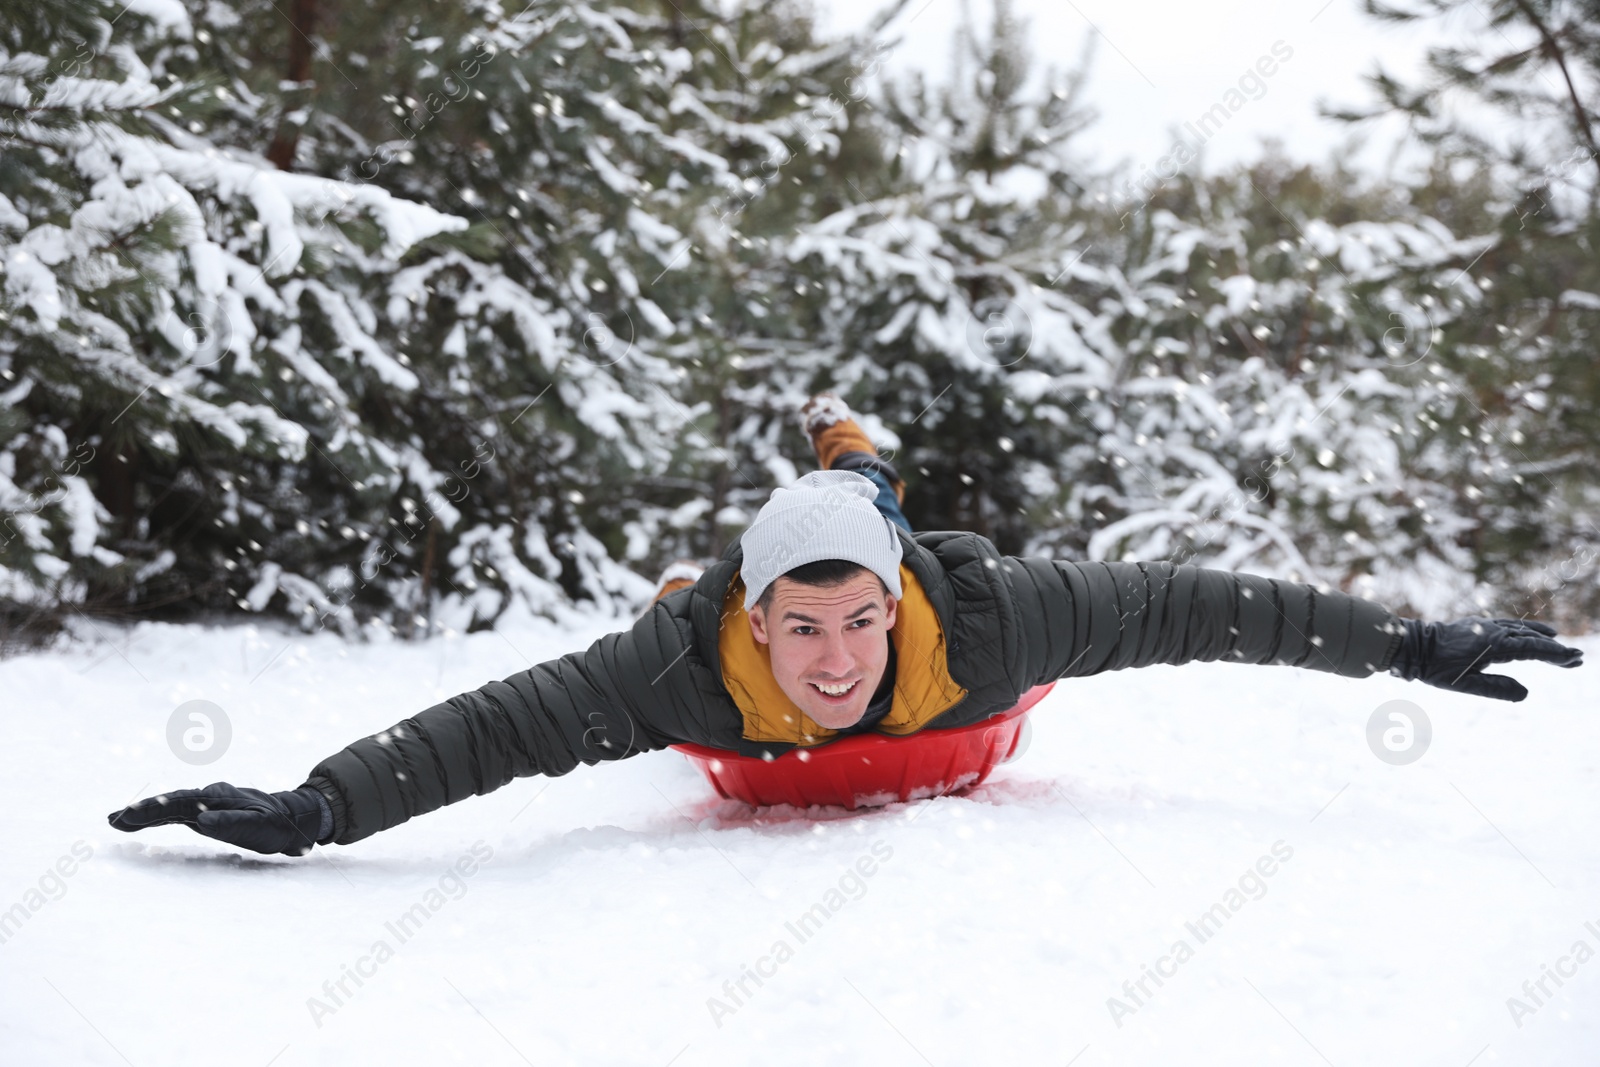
x=837 y=693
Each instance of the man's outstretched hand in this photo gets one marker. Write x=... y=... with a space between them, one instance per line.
x=285 y=822
x=1452 y=655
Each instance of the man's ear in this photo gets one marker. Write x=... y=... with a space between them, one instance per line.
x=758 y=624
x=889 y=612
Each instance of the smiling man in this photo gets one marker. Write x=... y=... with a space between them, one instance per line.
x=828 y=616
x=829 y=645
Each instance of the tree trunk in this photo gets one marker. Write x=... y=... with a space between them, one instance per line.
x=428 y=555
x=724 y=478
x=302 y=23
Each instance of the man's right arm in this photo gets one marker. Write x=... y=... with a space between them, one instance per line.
x=629 y=692
x=616 y=699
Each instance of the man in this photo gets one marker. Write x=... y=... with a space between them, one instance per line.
x=829 y=617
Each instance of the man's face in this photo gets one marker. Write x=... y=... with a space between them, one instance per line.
x=833 y=636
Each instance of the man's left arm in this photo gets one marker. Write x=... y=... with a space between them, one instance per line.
x=1084 y=618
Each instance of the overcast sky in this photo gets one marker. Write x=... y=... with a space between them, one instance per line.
x=1162 y=63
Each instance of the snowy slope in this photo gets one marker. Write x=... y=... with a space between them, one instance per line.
x=605 y=909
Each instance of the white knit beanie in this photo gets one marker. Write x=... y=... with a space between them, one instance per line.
x=824 y=515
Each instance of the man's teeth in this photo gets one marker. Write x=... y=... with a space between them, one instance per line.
x=835 y=690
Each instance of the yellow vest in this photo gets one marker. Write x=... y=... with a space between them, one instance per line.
x=923 y=688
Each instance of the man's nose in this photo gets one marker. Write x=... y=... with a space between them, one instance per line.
x=836 y=659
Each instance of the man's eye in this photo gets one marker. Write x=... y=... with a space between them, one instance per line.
x=805 y=630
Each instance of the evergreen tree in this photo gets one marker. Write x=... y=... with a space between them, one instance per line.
x=139 y=259
x=927 y=284
x=1515 y=102
x=413 y=315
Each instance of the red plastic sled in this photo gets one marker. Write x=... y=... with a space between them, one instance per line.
x=869 y=769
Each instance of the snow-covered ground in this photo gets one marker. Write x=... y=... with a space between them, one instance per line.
x=605 y=910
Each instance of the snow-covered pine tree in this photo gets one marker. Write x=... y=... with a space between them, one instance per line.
x=651 y=230
x=1276 y=403
x=606 y=156
x=151 y=430
x=926 y=283
x=1510 y=99
x=1243 y=372
x=753 y=354
x=513 y=404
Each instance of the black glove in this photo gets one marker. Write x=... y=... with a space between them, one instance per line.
x=285 y=822
x=1452 y=655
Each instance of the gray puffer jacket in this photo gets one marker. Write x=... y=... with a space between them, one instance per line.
x=1010 y=623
